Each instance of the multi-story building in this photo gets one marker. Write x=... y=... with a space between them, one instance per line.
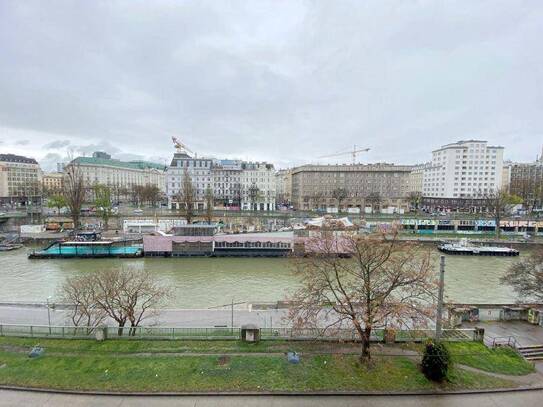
x=52 y=182
x=283 y=187
x=20 y=180
x=416 y=178
x=198 y=169
x=526 y=181
x=234 y=183
x=227 y=182
x=120 y=175
x=466 y=169
x=257 y=186
x=361 y=186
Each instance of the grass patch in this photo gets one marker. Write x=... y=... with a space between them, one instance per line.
x=498 y=360
x=236 y=373
x=124 y=346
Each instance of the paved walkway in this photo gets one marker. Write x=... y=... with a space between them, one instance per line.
x=512 y=399
x=525 y=333
x=37 y=315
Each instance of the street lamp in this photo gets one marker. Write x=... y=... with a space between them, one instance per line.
x=49 y=314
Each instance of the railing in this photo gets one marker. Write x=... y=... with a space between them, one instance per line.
x=225 y=333
x=510 y=341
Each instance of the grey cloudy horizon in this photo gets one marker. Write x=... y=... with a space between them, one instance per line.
x=278 y=81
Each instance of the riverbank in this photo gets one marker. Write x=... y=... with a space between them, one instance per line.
x=229 y=366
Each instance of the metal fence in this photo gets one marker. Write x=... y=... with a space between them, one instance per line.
x=224 y=333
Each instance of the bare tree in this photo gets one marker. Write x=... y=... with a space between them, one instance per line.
x=185 y=197
x=526 y=277
x=385 y=283
x=339 y=194
x=74 y=190
x=375 y=200
x=254 y=194
x=415 y=198
x=210 y=203
x=499 y=203
x=126 y=296
x=78 y=291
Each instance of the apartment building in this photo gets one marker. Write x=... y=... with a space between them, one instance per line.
x=465 y=169
x=283 y=187
x=258 y=186
x=20 y=180
x=375 y=186
x=235 y=184
x=198 y=169
x=120 y=175
x=52 y=181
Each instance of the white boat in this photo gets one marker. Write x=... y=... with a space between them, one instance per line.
x=463 y=247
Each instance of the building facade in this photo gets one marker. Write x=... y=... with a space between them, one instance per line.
x=526 y=181
x=466 y=169
x=52 y=182
x=361 y=186
x=198 y=169
x=20 y=180
x=283 y=187
x=235 y=184
x=258 y=186
x=120 y=175
x=226 y=175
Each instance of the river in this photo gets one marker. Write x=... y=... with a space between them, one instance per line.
x=208 y=282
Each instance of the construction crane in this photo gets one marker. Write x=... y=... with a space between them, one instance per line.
x=180 y=146
x=352 y=153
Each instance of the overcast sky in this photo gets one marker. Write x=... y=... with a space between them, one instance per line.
x=282 y=81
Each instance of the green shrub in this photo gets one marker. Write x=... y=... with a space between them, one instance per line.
x=436 y=361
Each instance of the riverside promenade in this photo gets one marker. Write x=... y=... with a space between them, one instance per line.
x=37 y=314
x=531 y=398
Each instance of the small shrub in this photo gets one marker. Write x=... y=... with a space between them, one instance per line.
x=436 y=361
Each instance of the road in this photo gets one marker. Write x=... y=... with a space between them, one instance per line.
x=38 y=315
x=10 y=398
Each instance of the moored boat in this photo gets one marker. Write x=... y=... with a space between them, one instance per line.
x=465 y=248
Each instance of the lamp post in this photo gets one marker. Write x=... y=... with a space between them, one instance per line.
x=440 y=297
x=49 y=314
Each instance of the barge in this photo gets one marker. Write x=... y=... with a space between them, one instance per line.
x=92 y=250
x=464 y=248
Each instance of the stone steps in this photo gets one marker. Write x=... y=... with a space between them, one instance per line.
x=532 y=352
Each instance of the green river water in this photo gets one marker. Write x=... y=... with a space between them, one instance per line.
x=208 y=282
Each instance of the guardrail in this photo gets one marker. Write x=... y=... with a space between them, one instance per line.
x=226 y=333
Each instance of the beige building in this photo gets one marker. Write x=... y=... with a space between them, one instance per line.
x=52 y=182
x=376 y=186
x=120 y=175
x=283 y=187
x=416 y=178
x=20 y=180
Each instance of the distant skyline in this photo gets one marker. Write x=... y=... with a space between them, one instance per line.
x=278 y=81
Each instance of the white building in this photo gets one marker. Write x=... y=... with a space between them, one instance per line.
x=120 y=175
x=234 y=183
x=199 y=170
x=466 y=169
x=20 y=180
x=258 y=186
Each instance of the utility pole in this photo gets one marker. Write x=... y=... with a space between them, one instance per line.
x=49 y=314
x=440 y=297
x=232 y=316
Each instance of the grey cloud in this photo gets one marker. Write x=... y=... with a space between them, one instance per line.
x=56 y=144
x=285 y=82
x=22 y=142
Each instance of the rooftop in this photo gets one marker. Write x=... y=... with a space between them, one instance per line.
x=12 y=158
x=134 y=165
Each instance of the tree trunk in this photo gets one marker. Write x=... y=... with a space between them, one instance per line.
x=366 y=334
x=120 y=330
